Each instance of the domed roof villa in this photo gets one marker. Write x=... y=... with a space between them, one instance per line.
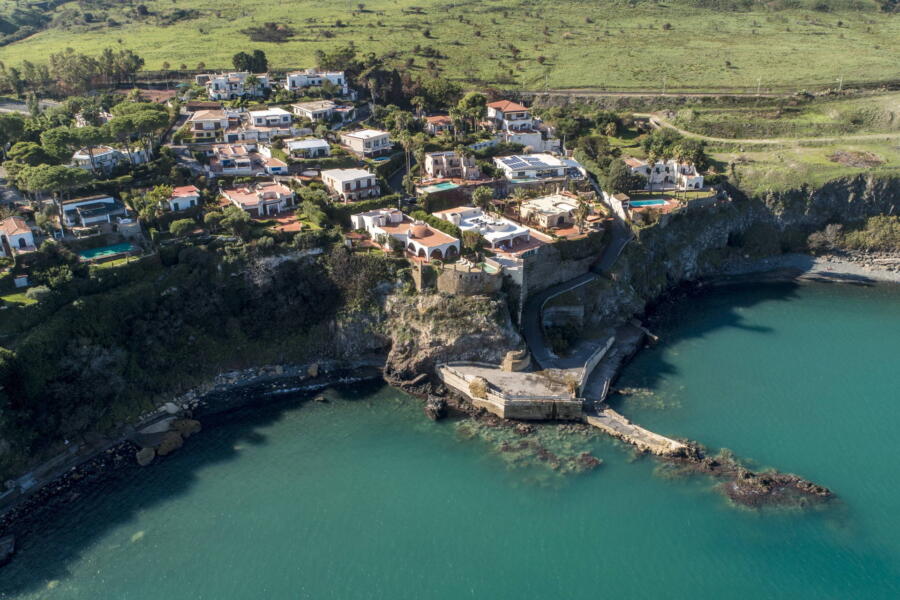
x=498 y=231
x=419 y=239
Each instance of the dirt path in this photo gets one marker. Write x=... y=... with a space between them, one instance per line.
x=659 y=121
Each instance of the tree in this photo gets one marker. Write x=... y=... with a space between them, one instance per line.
x=582 y=211
x=90 y=137
x=213 y=220
x=472 y=240
x=242 y=61
x=121 y=129
x=473 y=108
x=29 y=153
x=60 y=142
x=12 y=126
x=181 y=227
x=483 y=197
x=619 y=178
x=236 y=221
x=55 y=179
x=259 y=63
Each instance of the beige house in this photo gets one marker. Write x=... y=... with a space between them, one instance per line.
x=449 y=165
x=555 y=210
x=367 y=142
x=351 y=184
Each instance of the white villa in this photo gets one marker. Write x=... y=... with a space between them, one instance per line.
x=243 y=159
x=351 y=184
x=183 y=198
x=308 y=148
x=298 y=80
x=539 y=166
x=367 y=142
x=668 y=174
x=438 y=124
x=209 y=125
x=90 y=210
x=449 y=165
x=16 y=236
x=321 y=110
x=262 y=199
x=231 y=86
x=555 y=210
x=418 y=238
x=106 y=158
x=499 y=232
x=506 y=115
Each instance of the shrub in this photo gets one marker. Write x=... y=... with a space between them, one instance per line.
x=37 y=292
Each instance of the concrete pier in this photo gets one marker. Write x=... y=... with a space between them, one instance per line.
x=616 y=425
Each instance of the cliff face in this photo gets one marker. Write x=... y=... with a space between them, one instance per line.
x=711 y=241
x=428 y=329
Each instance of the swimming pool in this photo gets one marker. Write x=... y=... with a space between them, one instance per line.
x=640 y=203
x=105 y=251
x=440 y=187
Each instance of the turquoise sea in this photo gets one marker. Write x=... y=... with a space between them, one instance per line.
x=363 y=497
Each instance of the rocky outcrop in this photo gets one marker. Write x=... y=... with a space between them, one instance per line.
x=429 y=329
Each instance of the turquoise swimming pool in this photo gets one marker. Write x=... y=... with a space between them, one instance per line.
x=105 y=251
x=640 y=203
x=440 y=187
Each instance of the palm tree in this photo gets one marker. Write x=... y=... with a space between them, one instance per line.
x=581 y=213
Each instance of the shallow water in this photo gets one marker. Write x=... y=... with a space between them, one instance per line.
x=365 y=498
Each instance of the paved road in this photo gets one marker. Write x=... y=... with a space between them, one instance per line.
x=532 y=315
x=659 y=121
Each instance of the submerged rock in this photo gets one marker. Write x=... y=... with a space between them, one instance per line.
x=186 y=427
x=170 y=443
x=145 y=456
x=435 y=408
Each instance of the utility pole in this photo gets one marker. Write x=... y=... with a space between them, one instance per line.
x=758 y=85
x=840 y=83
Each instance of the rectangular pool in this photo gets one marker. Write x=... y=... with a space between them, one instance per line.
x=105 y=251
x=642 y=203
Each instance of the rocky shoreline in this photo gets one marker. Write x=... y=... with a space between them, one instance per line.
x=163 y=431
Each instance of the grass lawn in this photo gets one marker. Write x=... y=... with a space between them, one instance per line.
x=876 y=113
x=791 y=166
x=557 y=44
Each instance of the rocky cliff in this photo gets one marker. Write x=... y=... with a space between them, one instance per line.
x=706 y=242
x=428 y=329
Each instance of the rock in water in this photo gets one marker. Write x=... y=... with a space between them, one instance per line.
x=435 y=408
x=170 y=443
x=145 y=456
x=186 y=427
x=313 y=370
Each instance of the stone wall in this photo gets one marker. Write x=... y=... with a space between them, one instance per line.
x=455 y=280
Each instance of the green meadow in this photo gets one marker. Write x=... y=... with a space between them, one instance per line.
x=531 y=45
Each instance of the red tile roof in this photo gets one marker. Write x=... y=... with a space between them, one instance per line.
x=507 y=106
x=185 y=190
x=14 y=226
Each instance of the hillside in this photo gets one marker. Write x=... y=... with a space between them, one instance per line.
x=695 y=44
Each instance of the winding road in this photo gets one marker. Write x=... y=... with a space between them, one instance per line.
x=532 y=314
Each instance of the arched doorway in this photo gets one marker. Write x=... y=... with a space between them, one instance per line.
x=451 y=251
x=22 y=243
x=437 y=254
x=561 y=220
x=421 y=253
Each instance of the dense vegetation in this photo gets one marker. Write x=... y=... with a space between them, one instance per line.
x=104 y=343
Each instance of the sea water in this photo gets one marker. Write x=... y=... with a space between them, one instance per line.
x=363 y=497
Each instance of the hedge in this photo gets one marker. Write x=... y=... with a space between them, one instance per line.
x=340 y=213
x=439 y=224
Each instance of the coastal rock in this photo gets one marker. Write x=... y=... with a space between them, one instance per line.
x=524 y=428
x=320 y=399
x=186 y=427
x=435 y=408
x=171 y=408
x=429 y=329
x=313 y=370
x=170 y=443
x=145 y=456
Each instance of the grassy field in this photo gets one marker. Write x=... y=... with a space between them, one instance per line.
x=878 y=113
x=557 y=44
x=792 y=166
